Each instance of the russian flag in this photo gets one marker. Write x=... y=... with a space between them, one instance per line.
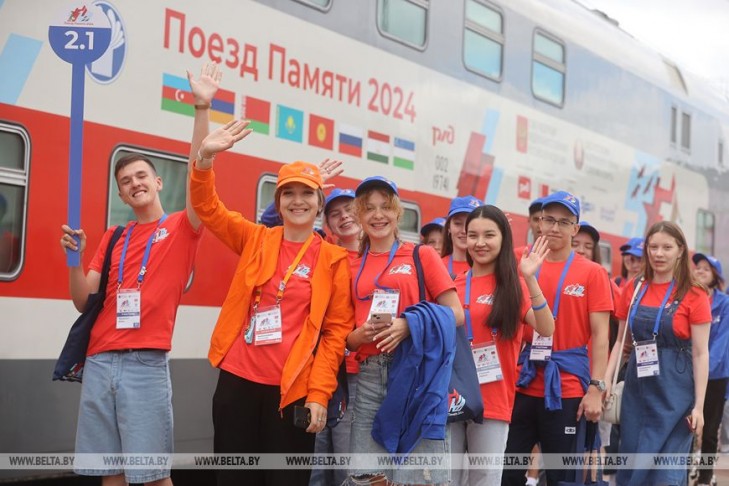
x=350 y=140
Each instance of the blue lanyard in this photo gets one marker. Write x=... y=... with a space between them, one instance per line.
x=467 y=309
x=555 y=307
x=147 y=251
x=395 y=245
x=450 y=265
x=634 y=310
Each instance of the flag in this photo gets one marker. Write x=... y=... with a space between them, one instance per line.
x=321 y=132
x=350 y=140
x=222 y=108
x=378 y=147
x=176 y=95
x=403 y=154
x=258 y=112
x=289 y=123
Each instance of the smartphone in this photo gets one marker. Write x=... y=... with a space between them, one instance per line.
x=302 y=417
x=381 y=318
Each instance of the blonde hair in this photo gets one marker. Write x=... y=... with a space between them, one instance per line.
x=360 y=208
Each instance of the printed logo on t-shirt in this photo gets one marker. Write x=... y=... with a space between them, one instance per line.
x=570 y=430
x=402 y=269
x=160 y=235
x=487 y=299
x=575 y=290
x=456 y=402
x=302 y=271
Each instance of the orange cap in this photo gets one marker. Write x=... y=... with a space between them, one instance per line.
x=299 y=171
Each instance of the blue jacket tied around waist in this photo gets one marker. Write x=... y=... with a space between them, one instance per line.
x=573 y=361
x=416 y=405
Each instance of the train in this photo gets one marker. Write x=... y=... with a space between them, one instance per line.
x=504 y=100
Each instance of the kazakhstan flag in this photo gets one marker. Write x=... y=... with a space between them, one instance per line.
x=289 y=123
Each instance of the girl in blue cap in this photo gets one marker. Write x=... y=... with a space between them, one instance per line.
x=454 y=241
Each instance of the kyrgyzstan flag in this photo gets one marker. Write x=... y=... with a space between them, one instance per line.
x=321 y=132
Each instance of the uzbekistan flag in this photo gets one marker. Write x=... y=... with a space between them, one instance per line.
x=222 y=109
x=176 y=95
x=321 y=132
x=350 y=140
x=289 y=123
x=403 y=153
x=378 y=147
x=258 y=112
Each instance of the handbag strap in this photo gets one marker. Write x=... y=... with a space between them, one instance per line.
x=625 y=332
x=419 y=272
x=107 y=261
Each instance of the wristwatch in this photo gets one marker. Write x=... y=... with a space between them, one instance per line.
x=600 y=384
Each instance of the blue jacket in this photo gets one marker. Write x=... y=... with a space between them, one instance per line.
x=573 y=361
x=416 y=405
x=719 y=336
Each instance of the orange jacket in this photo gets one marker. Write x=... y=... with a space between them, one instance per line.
x=331 y=313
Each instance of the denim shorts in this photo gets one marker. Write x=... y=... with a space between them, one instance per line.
x=126 y=408
x=371 y=391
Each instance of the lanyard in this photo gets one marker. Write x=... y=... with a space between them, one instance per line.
x=394 y=248
x=450 y=265
x=467 y=309
x=147 y=251
x=555 y=307
x=291 y=270
x=634 y=310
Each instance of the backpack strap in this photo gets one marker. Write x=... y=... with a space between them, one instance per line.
x=419 y=272
x=107 y=261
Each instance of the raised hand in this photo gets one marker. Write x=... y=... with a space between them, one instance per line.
x=532 y=260
x=221 y=139
x=329 y=169
x=205 y=87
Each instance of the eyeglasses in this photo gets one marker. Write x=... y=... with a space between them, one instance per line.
x=550 y=221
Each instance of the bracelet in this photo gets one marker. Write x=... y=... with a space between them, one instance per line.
x=536 y=296
x=202 y=107
x=200 y=156
x=540 y=306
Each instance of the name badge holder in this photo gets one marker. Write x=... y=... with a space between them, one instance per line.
x=485 y=356
x=266 y=323
x=541 y=349
x=129 y=301
x=646 y=352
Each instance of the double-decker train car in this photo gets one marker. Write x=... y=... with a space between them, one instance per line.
x=504 y=100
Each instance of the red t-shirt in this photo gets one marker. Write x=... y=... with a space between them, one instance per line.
x=400 y=275
x=459 y=268
x=695 y=307
x=245 y=360
x=168 y=271
x=586 y=289
x=498 y=396
x=351 y=358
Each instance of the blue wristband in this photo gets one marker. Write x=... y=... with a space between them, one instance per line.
x=540 y=307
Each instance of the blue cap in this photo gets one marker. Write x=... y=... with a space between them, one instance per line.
x=565 y=199
x=586 y=227
x=436 y=223
x=376 y=181
x=464 y=204
x=715 y=264
x=536 y=205
x=336 y=194
x=633 y=246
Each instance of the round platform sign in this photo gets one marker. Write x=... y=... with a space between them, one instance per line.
x=80 y=34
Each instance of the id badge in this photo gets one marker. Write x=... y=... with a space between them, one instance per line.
x=384 y=302
x=268 y=328
x=646 y=359
x=488 y=367
x=128 y=309
x=541 y=348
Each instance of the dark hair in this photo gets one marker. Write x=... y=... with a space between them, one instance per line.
x=596 y=256
x=717 y=281
x=447 y=237
x=130 y=159
x=508 y=297
x=682 y=270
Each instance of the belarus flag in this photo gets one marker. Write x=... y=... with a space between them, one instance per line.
x=258 y=112
x=378 y=147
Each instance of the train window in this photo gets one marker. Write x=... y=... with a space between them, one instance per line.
x=674 y=125
x=606 y=256
x=483 y=40
x=410 y=222
x=14 y=159
x=686 y=131
x=404 y=20
x=548 y=69
x=705 y=224
x=322 y=5
x=173 y=171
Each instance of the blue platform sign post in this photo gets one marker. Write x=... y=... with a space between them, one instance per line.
x=80 y=35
